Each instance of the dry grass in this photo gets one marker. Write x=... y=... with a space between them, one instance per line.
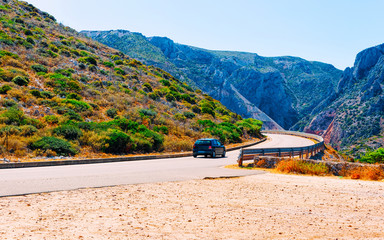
x=302 y=167
x=366 y=173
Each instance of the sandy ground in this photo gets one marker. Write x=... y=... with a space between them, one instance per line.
x=267 y=206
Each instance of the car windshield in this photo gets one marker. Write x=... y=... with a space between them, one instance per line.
x=203 y=142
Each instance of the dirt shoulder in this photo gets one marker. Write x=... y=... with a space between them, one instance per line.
x=267 y=206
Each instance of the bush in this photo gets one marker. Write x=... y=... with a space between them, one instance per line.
x=72 y=115
x=147 y=87
x=117 y=142
x=21 y=81
x=112 y=112
x=13 y=116
x=74 y=96
x=127 y=125
x=69 y=132
x=373 y=156
x=147 y=112
x=189 y=115
x=88 y=60
x=36 y=93
x=155 y=138
x=28 y=130
x=39 y=68
x=4 y=89
x=161 y=129
x=196 y=109
x=51 y=119
x=77 y=106
x=57 y=145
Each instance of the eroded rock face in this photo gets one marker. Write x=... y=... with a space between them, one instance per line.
x=279 y=89
x=357 y=112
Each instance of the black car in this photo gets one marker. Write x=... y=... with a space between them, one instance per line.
x=208 y=146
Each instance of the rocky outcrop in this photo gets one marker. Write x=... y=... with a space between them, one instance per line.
x=280 y=87
x=356 y=114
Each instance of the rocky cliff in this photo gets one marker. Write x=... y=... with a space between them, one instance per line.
x=278 y=89
x=354 y=117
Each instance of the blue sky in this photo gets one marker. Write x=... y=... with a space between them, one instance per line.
x=331 y=31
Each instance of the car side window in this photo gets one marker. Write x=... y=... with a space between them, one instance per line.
x=218 y=143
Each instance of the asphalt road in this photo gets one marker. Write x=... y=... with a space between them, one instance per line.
x=46 y=179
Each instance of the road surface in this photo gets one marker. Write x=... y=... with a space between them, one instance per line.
x=46 y=179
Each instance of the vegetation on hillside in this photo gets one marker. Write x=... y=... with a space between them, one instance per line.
x=63 y=94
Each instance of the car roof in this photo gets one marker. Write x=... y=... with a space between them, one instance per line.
x=206 y=139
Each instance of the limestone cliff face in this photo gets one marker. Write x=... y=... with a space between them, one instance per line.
x=355 y=118
x=281 y=89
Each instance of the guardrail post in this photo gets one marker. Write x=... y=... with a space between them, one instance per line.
x=240 y=161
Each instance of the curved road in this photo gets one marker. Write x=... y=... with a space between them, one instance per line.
x=45 y=179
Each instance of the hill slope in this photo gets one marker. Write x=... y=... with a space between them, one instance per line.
x=62 y=93
x=278 y=90
x=354 y=117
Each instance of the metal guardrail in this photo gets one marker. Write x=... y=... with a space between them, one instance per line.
x=252 y=154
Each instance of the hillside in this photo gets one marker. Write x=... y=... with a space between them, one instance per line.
x=353 y=119
x=64 y=94
x=277 y=90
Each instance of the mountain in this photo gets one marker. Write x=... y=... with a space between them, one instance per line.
x=64 y=94
x=279 y=90
x=353 y=119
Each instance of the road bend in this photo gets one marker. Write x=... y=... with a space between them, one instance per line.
x=21 y=181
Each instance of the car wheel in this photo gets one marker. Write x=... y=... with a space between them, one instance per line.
x=213 y=154
x=195 y=155
x=223 y=155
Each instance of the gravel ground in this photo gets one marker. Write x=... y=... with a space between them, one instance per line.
x=267 y=206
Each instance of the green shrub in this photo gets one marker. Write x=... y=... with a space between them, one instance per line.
x=119 y=62
x=9 y=130
x=51 y=119
x=373 y=156
x=117 y=142
x=13 y=116
x=57 y=145
x=72 y=115
x=108 y=64
x=4 y=89
x=112 y=112
x=189 y=115
x=147 y=112
x=39 y=68
x=6 y=53
x=127 y=125
x=28 y=130
x=165 y=83
x=170 y=97
x=88 y=60
x=46 y=94
x=68 y=132
x=120 y=71
x=30 y=40
x=77 y=106
x=21 y=80
x=161 y=129
x=155 y=138
x=8 y=103
x=208 y=111
x=74 y=96
x=250 y=126
x=147 y=87
x=154 y=95
x=28 y=32
x=36 y=93
x=196 y=109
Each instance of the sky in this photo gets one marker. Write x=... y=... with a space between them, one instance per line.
x=330 y=31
